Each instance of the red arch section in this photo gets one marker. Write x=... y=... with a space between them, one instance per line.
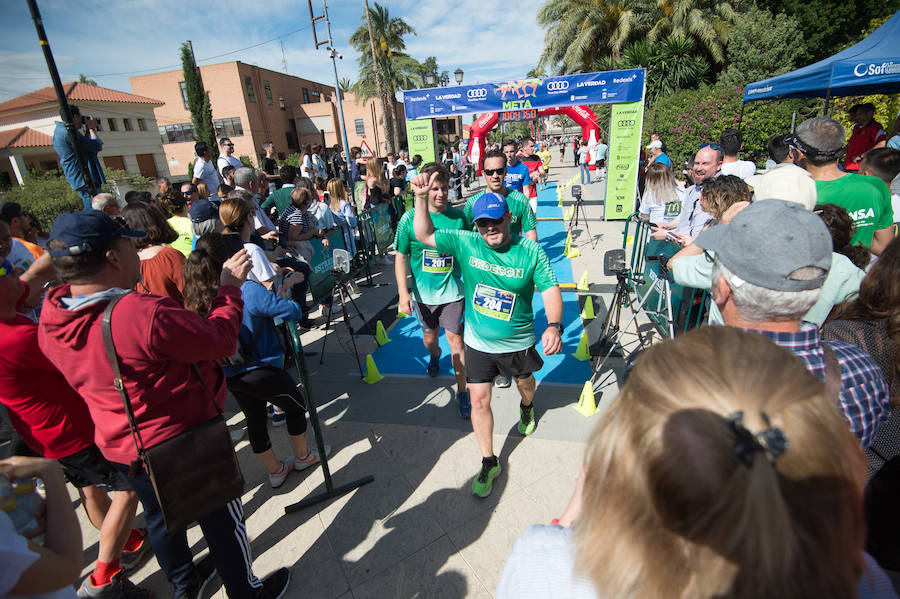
x=582 y=115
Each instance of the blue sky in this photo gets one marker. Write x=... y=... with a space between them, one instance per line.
x=112 y=40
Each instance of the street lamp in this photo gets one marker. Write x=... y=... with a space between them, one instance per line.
x=458 y=73
x=429 y=79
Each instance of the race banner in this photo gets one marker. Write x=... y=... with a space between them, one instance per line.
x=608 y=87
x=381 y=222
x=420 y=135
x=625 y=123
x=321 y=263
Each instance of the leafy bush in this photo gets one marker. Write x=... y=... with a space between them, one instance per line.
x=246 y=161
x=125 y=178
x=46 y=195
x=690 y=118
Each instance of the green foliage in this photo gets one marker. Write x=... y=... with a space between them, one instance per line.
x=690 y=118
x=706 y=22
x=246 y=160
x=135 y=181
x=886 y=109
x=761 y=46
x=198 y=102
x=83 y=79
x=292 y=160
x=46 y=194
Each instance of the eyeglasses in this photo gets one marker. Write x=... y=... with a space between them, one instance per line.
x=489 y=222
x=490 y=172
x=187 y=193
x=232 y=145
x=711 y=146
x=6 y=269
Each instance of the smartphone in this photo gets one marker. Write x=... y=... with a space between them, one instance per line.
x=233 y=243
x=671 y=236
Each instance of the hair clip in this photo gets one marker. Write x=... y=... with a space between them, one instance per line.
x=772 y=441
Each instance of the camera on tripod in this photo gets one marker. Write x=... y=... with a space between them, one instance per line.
x=340 y=263
x=614 y=263
x=576 y=192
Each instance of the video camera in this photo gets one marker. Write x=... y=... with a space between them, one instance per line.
x=576 y=192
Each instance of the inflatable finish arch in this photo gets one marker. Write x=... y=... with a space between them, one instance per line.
x=582 y=115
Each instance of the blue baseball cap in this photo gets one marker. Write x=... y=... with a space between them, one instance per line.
x=490 y=205
x=87 y=231
x=202 y=210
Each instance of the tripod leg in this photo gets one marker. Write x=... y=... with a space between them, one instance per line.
x=618 y=338
x=350 y=329
x=327 y=327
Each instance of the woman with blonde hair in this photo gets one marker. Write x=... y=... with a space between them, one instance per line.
x=202 y=191
x=376 y=191
x=342 y=210
x=661 y=202
x=722 y=470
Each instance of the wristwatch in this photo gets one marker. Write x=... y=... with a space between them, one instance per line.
x=558 y=325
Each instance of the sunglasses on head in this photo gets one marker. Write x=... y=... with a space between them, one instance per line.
x=711 y=146
x=487 y=222
x=490 y=172
x=6 y=269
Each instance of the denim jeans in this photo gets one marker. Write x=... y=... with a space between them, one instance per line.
x=585 y=173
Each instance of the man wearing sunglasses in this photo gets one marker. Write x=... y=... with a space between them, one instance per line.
x=500 y=271
x=204 y=171
x=437 y=289
x=493 y=170
x=226 y=156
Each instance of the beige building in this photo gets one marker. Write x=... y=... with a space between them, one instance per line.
x=127 y=128
x=252 y=105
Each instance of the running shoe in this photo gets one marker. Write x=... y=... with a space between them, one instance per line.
x=483 y=483
x=310 y=459
x=434 y=366
x=278 y=417
x=276 y=479
x=118 y=587
x=206 y=571
x=129 y=560
x=502 y=381
x=275 y=584
x=465 y=404
x=526 y=419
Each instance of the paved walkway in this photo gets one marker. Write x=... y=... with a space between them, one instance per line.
x=417 y=530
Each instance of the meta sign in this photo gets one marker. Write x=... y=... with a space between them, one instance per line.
x=521 y=95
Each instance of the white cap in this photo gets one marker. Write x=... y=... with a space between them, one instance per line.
x=655 y=144
x=786 y=182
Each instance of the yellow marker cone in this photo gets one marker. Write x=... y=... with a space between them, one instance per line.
x=587 y=405
x=372 y=374
x=380 y=335
x=582 y=353
x=629 y=240
x=583 y=284
x=587 y=313
x=572 y=252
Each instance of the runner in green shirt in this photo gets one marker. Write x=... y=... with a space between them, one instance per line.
x=521 y=215
x=500 y=272
x=437 y=291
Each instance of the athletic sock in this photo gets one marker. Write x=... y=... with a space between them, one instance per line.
x=104 y=572
x=489 y=462
x=134 y=540
x=528 y=407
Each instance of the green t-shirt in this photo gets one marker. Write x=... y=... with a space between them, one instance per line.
x=435 y=276
x=523 y=219
x=499 y=288
x=866 y=199
x=280 y=198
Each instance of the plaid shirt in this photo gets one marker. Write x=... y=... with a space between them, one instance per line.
x=865 y=401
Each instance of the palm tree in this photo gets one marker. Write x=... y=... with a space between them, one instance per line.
x=708 y=22
x=83 y=79
x=345 y=84
x=382 y=61
x=578 y=31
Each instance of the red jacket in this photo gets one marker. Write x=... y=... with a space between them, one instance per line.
x=157 y=341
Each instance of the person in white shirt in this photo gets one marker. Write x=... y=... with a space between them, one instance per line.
x=226 y=151
x=204 y=172
x=390 y=165
x=731 y=141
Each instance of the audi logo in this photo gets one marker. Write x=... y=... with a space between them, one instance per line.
x=477 y=93
x=626 y=123
x=557 y=86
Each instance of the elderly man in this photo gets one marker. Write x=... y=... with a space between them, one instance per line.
x=817 y=146
x=707 y=164
x=245 y=178
x=106 y=202
x=770 y=265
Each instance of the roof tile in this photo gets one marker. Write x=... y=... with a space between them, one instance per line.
x=75 y=91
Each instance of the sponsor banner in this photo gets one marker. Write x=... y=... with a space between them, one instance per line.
x=321 y=263
x=855 y=72
x=381 y=223
x=420 y=135
x=622 y=159
x=608 y=87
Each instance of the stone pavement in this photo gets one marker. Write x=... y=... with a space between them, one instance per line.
x=417 y=530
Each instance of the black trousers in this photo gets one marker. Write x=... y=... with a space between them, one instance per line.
x=253 y=388
x=299 y=290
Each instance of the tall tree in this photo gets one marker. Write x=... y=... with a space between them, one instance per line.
x=198 y=101
x=762 y=45
x=672 y=64
x=83 y=79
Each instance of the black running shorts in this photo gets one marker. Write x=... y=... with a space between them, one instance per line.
x=482 y=367
x=89 y=467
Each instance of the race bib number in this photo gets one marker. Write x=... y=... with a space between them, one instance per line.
x=434 y=262
x=493 y=302
x=672 y=209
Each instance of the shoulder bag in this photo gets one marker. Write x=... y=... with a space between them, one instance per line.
x=193 y=473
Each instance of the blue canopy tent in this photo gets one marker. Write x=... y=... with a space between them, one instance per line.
x=870 y=67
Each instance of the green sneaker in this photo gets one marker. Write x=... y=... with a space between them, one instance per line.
x=526 y=420
x=482 y=484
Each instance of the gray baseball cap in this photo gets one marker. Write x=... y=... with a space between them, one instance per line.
x=769 y=240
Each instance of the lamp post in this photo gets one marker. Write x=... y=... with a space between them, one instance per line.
x=429 y=79
x=458 y=73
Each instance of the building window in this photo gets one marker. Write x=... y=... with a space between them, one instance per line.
x=360 y=125
x=281 y=102
x=112 y=124
x=248 y=83
x=268 y=91
x=305 y=96
x=183 y=87
x=170 y=134
x=328 y=97
x=127 y=124
x=316 y=94
x=142 y=125
x=228 y=127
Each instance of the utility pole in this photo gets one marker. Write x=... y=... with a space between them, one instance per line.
x=64 y=111
x=337 y=87
x=379 y=86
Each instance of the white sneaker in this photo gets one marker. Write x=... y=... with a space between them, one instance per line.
x=276 y=479
x=310 y=459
